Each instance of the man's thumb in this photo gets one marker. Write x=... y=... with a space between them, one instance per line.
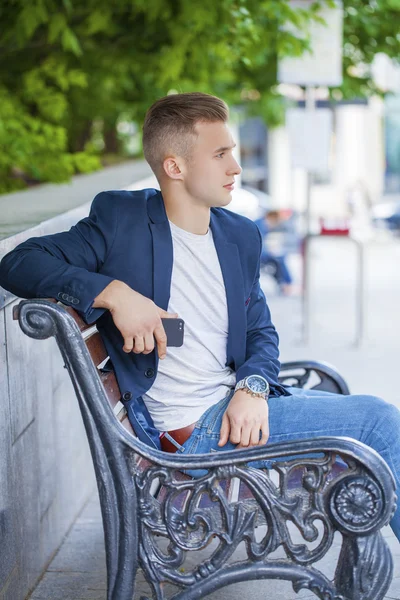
x=166 y=315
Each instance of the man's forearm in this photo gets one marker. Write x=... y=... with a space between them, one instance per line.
x=109 y=295
x=262 y=343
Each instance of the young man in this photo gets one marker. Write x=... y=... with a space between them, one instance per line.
x=141 y=256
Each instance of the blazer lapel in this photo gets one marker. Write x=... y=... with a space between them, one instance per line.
x=162 y=251
x=228 y=255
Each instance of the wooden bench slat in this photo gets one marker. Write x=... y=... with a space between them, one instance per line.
x=111 y=386
x=77 y=318
x=96 y=348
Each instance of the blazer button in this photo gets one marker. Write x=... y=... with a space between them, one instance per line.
x=127 y=396
x=149 y=373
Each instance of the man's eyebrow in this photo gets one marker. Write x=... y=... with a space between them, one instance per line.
x=224 y=148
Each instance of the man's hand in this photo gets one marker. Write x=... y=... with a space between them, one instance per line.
x=243 y=420
x=137 y=318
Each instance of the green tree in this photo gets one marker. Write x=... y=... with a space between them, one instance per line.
x=67 y=65
x=369 y=28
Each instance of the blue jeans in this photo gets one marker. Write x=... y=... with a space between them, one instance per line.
x=281 y=271
x=312 y=413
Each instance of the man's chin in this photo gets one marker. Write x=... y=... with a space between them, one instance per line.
x=225 y=199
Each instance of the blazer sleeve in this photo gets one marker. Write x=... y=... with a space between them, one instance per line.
x=262 y=341
x=66 y=266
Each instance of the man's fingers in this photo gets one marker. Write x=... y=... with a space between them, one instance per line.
x=265 y=434
x=128 y=345
x=166 y=315
x=255 y=436
x=235 y=436
x=161 y=339
x=224 y=433
x=244 y=439
x=148 y=343
x=139 y=344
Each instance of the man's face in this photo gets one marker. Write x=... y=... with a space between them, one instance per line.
x=210 y=172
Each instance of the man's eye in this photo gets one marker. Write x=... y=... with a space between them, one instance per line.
x=220 y=155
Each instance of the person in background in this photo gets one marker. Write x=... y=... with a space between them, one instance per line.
x=280 y=271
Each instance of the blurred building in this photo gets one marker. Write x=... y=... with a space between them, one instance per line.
x=392 y=144
x=254 y=153
x=364 y=159
x=356 y=162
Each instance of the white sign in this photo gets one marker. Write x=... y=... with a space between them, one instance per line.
x=386 y=73
x=322 y=67
x=310 y=134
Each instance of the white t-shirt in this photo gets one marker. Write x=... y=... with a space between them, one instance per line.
x=193 y=377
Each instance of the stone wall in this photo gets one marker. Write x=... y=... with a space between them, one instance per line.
x=46 y=471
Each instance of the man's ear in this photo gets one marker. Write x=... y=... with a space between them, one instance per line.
x=172 y=166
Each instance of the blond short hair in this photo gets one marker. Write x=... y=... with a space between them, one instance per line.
x=169 y=126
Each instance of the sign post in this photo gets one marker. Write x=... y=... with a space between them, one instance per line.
x=310 y=129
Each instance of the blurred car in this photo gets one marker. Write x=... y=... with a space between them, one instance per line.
x=253 y=203
x=387 y=215
x=249 y=202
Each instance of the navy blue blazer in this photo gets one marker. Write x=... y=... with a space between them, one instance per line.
x=127 y=237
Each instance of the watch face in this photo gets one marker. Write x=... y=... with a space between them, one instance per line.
x=257 y=384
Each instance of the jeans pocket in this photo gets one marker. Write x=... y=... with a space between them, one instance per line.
x=216 y=415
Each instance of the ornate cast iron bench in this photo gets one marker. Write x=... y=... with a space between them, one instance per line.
x=154 y=515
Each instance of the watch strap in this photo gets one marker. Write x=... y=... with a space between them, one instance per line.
x=241 y=385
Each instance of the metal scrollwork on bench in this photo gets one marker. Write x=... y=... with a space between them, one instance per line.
x=357 y=503
x=286 y=515
x=316 y=495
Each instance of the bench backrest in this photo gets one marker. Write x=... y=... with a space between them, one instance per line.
x=99 y=355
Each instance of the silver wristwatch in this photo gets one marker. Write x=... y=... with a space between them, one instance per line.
x=255 y=385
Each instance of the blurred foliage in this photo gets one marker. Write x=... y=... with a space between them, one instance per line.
x=69 y=68
x=370 y=27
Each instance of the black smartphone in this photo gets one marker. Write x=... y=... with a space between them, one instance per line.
x=174 y=329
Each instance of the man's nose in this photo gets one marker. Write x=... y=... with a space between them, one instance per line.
x=235 y=168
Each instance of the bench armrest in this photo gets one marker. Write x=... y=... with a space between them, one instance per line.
x=302 y=372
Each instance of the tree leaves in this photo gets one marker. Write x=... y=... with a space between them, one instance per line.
x=70 y=42
x=67 y=65
x=394 y=4
x=32 y=15
x=57 y=25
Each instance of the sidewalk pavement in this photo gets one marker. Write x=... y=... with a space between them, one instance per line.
x=78 y=569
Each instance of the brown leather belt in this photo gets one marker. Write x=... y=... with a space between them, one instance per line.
x=179 y=435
